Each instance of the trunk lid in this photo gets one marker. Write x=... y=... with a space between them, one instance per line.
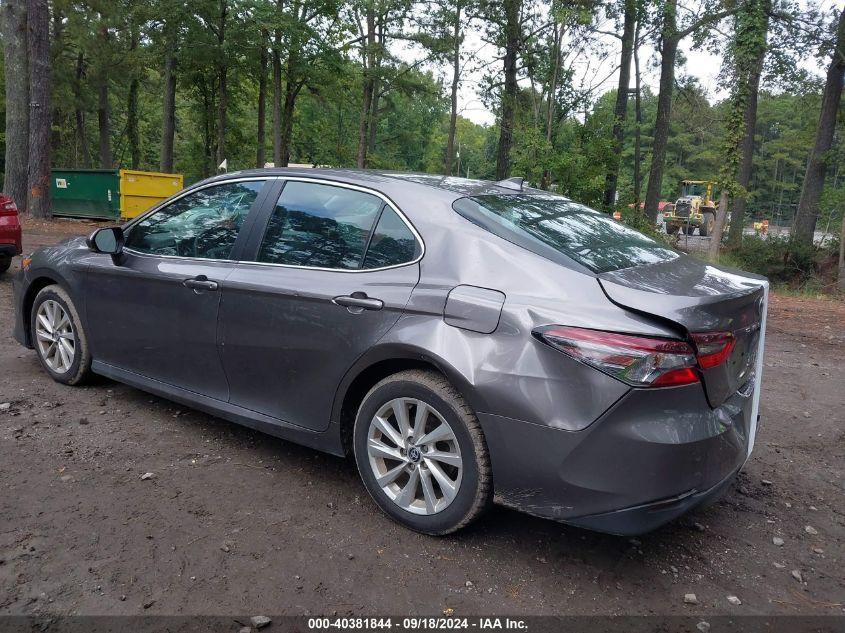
x=700 y=297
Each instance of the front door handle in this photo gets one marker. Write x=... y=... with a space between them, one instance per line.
x=358 y=301
x=200 y=282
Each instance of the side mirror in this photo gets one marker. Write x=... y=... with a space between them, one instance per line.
x=108 y=240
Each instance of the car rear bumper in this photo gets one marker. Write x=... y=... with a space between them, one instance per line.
x=655 y=454
x=10 y=235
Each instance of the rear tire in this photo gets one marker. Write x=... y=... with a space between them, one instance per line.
x=5 y=262
x=58 y=337
x=672 y=229
x=689 y=229
x=430 y=469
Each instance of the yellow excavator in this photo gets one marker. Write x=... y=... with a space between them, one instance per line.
x=694 y=209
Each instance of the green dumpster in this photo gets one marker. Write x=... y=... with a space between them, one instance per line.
x=109 y=194
x=86 y=193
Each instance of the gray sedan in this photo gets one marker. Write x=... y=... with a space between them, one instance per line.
x=465 y=340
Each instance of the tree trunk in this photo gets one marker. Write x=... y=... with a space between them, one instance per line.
x=842 y=257
x=57 y=48
x=550 y=109
x=368 y=88
x=372 y=126
x=261 y=139
x=223 y=95
x=103 y=107
x=83 y=156
x=811 y=191
x=291 y=93
x=168 y=118
x=456 y=78
x=40 y=113
x=669 y=50
x=718 y=227
x=15 y=56
x=511 y=88
x=620 y=111
x=132 y=134
x=750 y=85
x=207 y=126
x=277 y=100
x=638 y=117
x=363 y=128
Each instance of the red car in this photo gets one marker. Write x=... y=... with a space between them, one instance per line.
x=10 y=232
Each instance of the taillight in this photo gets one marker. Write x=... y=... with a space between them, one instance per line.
x=641 y=361
x=8 y=206
x=713 y=347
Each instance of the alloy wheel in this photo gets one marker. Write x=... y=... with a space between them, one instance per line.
x=414 y=456
x=55 y=336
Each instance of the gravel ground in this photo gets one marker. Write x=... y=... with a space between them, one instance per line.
x=235 y=521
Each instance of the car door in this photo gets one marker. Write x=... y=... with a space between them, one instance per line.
x=153 y=310
x=334 y=266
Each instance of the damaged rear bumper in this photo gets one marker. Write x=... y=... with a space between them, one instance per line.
x=653 y=456
x=650 y=516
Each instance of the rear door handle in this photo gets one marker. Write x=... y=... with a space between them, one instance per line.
x=200 y=282
x=358 y=301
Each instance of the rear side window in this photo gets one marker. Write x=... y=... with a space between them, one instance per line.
x=320 y=226
x=392 y=243
x=551 y=226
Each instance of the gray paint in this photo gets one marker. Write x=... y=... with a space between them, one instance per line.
x=473 y=308
x=271 y=348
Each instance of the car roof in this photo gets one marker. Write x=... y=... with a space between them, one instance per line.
x=374 y=177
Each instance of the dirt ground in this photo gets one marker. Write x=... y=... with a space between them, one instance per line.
x=236 y=521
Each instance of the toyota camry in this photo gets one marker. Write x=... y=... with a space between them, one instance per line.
x=466 y=341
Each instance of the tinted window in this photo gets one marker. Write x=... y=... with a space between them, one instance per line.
x=544 y=223
x=392 y=243
x=319 y=226
x=201 y=224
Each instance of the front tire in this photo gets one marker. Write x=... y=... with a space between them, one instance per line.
x=58 y=337
x=421 y=453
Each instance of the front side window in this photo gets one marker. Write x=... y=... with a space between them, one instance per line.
x=553 y=226
x=202 y=224
x=320 y=226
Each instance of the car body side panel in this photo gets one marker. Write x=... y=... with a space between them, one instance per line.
x=286 y=345
x=508 y=372
x=328 y=442
x=64 y=263
x=143 y=319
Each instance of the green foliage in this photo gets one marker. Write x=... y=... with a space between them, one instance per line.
x=636 y=219
x=782 y=262
x=319 y=45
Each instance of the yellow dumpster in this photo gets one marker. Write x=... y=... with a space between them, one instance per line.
x=140 y=190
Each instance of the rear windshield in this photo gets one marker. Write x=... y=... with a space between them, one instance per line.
x=551 y=226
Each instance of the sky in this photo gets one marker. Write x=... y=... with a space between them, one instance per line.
x=591 y=69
